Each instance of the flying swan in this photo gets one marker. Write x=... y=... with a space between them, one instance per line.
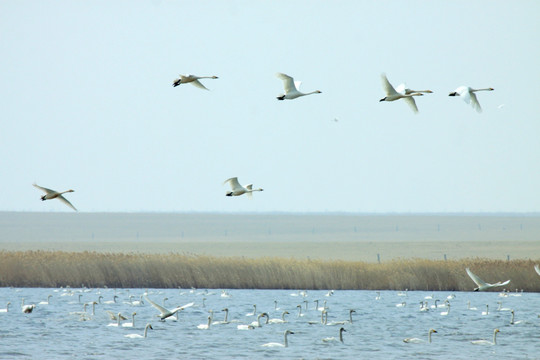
x=274 y=344
x=482 y=285
x=237 y=189
x=291 y=88
x=52 y=194
x=194 y=80
x=393 y=95
x=468 y=95
x=165 y=313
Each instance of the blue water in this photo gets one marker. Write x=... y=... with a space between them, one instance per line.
x=56 y=331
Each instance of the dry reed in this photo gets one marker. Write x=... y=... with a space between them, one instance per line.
x=93 y=269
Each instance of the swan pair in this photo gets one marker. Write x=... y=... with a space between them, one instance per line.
x=482 y=285
x=401 y=92
x=417 y=340
x=291 y=88
x=52 y=194
x=237 y=189
x=193 y=79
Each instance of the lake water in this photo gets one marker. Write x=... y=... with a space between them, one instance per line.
x=57 y=331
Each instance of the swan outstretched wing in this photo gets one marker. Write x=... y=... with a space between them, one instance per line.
x=410 y=101
x=537 y=269
x=48 y=191
x=288 y=82
x=198 y=84
x=235 y=185
x=388 y=88
x=474 y=102
x=476 y=279
x=401 y=88
x=160 y=308
x=65 y=201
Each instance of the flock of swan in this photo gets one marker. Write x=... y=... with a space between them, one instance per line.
x=291 y=92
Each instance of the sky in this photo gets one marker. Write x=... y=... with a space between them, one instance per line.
x=87 y=103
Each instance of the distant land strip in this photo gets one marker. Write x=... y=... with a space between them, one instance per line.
x=51 y=269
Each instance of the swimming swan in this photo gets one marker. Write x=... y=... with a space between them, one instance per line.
x=46 y=302
x=468 y=95
x=482 y=285
x=205 y=326
x=225 y=320
x=52 y=194
x=279 y=321
x=330 y=339
x=194 y=80
x=254 y=324
x=119 y=319
x=274 y=344
x=445 y=313
x=137 y=336
x=512 y=322
x=165 y=313
x=6 y=309
x=113 y=316
x=487 y=342
x=132 y=323
x=27 y=309
x=393 y=95
x=417 y=340
x=340 y=322
x=237 y=189
x=253 y=312
x=487 y=310
x=291 y=88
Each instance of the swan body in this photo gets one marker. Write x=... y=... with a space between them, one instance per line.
x=291 y=88
x=113 y=301
x=205 y=326
x=165 y=313
x=6 y=309
x=27 y=309
x=285 y=343
x=417 y=340
x=237 y=189
x=468 y=95
x=137 y=336
x=445 y=313
x=482 y=285
x=132 y=323
x=402 y=304
x=330 y=339
x=279 y=321
x=393 y=95
x=487 y=342
x=193 y=79
x=52 y=194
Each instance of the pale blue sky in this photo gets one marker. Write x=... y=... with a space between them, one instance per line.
x=87 y=103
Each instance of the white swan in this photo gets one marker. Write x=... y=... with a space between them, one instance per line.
x=500 y=308
x=487 y=310
x=402 y=304
x=114 y=316
x=27 y=309
x=113 y=301
x=225 y=320
x=132 y=323
x=237 y=189
x=193 y=79
x=6 y=309
x=330 y=339
x=205 y=326
x=52 y=194
x=378 y=297
x=291 y=88
x=45 y=302
x=487 y=342
x=468 y=95
x=253 y=312
x=537 y=269
x=393 y=95
x=137 y=336
x=165 y=313
x=279 y=321
x=469 y=306
x=118 y=319
x=482 y=285
x=254 y=324
x=333 y=323
x=417 y=340
x=512 y=322
x=285 y=343
x=299 y=310
x=445 y=313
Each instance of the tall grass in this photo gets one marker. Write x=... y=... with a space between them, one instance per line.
x=93 y=269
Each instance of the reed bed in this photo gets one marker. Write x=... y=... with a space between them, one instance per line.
x=134 y=270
